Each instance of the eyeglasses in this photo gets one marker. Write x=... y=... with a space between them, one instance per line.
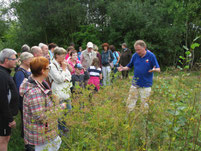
x=48 y=68
x=13 y=59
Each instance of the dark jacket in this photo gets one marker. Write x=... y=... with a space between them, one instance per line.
x=9 y=97
x=99 y=57
x=106 y=57
x=125 y=57
x=79 y=80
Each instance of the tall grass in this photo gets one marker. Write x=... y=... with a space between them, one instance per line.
x=172 y=122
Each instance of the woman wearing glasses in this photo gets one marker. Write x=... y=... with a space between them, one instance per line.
x=39 y=109
x=60 y=79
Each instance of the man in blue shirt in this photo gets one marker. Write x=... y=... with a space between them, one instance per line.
x=145 y=63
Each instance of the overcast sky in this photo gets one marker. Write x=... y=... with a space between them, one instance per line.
x=10 y=15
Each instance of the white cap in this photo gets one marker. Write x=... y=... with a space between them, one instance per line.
x=90 y=45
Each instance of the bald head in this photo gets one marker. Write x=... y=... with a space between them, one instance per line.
x=36 y=51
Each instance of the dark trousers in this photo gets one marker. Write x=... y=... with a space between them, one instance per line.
x=29 y=147
x=124 y=74
x=22 y=123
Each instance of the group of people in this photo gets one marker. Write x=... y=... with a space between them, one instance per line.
x=48 y=75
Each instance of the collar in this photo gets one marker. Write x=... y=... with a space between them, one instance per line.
x=7 y=69
x=44 y=87
x=145 y=54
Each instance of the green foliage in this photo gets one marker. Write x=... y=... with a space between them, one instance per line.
x=187 y=60
x=164 y=25
x=87 y=33
x=103 y=123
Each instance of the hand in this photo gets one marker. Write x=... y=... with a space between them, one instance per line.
x=64 y=64
x=12 y=124
x=153 y=70
x=120 y=68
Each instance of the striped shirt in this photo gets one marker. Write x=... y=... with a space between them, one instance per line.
x=94 y=72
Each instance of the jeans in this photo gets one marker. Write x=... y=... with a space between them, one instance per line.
x=106 y=75
x=115 y=68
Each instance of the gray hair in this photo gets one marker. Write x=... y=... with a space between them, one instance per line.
x=35 y=49
x=25 y=56
x=141 y=43
x=25 y=48
x=124 y=44
x=41 y=45
x=95 y=47
x=59 y=51
x=6 y=53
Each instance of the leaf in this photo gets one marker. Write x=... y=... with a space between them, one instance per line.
x=188 y=53
x=194 y=45
x=179 y=68
x=181 y=108
x=186 y=67
x=196 y=38
x=185 y=47
x=181 y=57
x=176 y=129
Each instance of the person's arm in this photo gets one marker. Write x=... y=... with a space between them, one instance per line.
x=121 y=68
x=156 y=67
x=67 y=66
x=118 y=58
x=129 y=66
x=56 y=75
x=5 y=110
x=19 y=77
x=101 y=76
x=81 y=58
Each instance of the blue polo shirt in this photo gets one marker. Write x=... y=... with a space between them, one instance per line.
x=142 y=65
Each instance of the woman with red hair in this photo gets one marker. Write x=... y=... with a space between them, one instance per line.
x=39 y=110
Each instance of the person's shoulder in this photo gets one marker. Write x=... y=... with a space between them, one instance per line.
x=19 y=72
x=4 y=76
x=151 y=54
x=73 y=76
x=34 y=92
x=135 y=55
x=84 y=51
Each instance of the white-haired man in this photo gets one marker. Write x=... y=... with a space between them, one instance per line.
x=144 y=63
x=45 y=50
x=8 y=96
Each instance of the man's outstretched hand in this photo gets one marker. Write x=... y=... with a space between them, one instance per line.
x=155 y=69
x=120 y=68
